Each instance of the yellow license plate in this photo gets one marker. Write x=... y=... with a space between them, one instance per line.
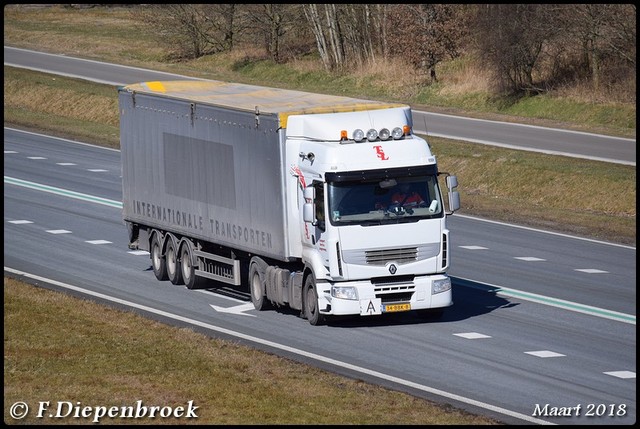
x=389 y=308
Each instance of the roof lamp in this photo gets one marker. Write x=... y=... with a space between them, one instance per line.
x=358 y=135
x=397 y=133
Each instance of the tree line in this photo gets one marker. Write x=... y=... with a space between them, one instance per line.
x=525 y=48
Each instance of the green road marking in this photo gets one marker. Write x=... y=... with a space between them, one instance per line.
x=545 y=300
x=63 y=192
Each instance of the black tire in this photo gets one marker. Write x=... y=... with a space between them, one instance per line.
x=188 y=270
x=257 y=286
x=173 y=267
x=310 y=302
x=157 y=258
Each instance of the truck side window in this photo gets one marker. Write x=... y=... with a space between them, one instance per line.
x=320 y=204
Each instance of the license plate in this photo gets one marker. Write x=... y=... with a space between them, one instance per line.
x=390 y=308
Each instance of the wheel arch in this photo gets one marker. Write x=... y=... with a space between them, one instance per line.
x=161 y=238
x=187 y=242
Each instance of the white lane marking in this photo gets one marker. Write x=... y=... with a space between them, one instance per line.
x=237 y=309
x=591 y=271
x=474 y=247
x=98 y=242
x=621 y=374
x=545 y=354
x=20 y=222
x=472 y=335
x=529 y=258
x=138 y=252
x=65 y=163
x=36 y=157
x=58 y=231
x=97 y=170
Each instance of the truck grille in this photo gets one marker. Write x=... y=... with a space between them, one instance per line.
x=390 y=290
x=400 y=255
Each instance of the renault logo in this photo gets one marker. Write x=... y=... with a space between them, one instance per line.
x=393 y=268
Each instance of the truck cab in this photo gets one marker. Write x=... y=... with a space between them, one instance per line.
x=373 y=229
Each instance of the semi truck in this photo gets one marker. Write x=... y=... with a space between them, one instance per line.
x=292 y=195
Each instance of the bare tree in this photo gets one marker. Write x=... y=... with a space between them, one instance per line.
x=528 y=48
x=426 y=34
x=605 y=31
x=346 y=34
x=272 y=23
x=315 y=21
x=191 y=30
x=510 y=40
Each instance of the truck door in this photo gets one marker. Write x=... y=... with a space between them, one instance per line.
x=315 y=232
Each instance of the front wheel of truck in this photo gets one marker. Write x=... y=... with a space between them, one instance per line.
x=310 y=296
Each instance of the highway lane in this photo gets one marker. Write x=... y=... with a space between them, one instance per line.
x=492 y=353
x=510 y=135
x=530 y=260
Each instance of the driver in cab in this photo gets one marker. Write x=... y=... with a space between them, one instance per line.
x=405 y=197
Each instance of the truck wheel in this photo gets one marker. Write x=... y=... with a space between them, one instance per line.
x=188 y=269
x=257 y=286
x=173 y=270
x=157 y=260
x=310 y=297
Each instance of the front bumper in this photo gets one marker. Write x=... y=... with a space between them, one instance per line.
x=376 y=298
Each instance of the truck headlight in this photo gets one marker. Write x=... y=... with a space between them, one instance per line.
x=441 y=285
x=344 y=292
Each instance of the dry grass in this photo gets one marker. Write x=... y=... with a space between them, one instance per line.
x=582 y=197
x=466 y=79
x=110 y=34
x=40 y=96
x=582 y=91
x=60 y=348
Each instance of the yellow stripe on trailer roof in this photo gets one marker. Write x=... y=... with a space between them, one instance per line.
x=282 y=102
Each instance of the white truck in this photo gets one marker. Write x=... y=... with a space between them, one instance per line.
x=288 y=193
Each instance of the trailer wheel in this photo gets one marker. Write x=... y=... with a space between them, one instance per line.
x=188 y=269
x=310 y=298
x=257 y=286
x=157 y=260
x=173 y=270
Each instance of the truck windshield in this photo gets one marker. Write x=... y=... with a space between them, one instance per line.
x=387 y=200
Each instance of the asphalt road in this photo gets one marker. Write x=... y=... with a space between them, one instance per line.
x=509 y=135
x=541 y=321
